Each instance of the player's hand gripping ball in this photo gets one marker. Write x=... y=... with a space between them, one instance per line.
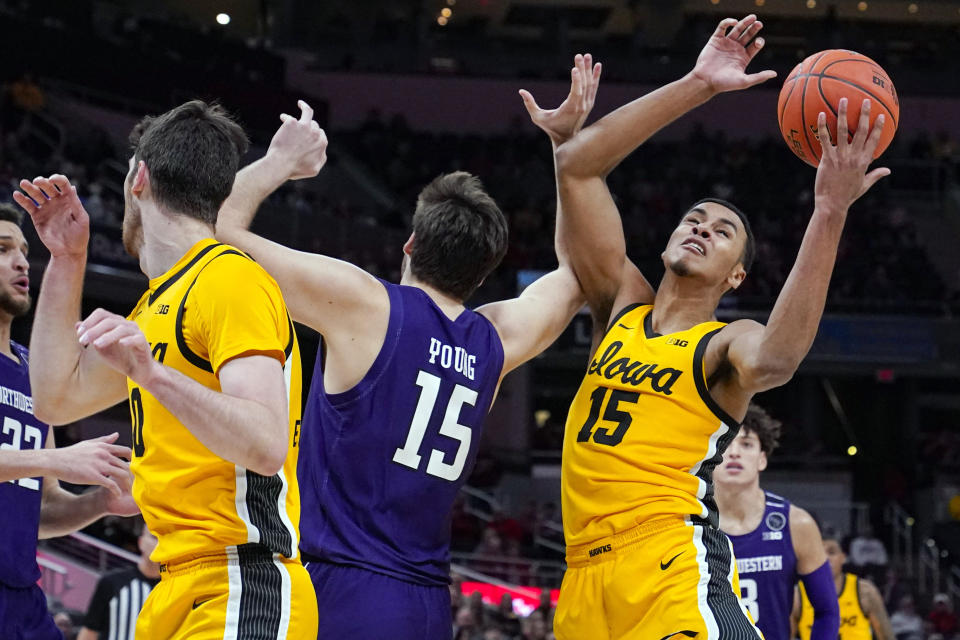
x=818 y=83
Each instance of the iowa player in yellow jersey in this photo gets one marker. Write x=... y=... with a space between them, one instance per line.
x=861 y=605
x=667 y=385
x=209 y=363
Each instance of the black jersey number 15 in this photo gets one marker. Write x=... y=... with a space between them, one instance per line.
x=622 y=419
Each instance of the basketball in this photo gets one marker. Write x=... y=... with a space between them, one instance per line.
x=818 y=83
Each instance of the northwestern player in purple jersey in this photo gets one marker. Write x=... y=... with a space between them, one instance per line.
x=31 y=500
x=404 y=379
x=775 y=543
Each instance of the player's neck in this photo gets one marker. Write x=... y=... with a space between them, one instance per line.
x=682 y=303
x=741 y=507
x=450 y=306
x=839 y=580
x=166 y=238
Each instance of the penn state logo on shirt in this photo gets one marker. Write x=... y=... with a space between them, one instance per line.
x=775 y=522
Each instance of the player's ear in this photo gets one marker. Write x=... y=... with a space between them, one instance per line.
x=408 y=245
x=762 y=463
x=735 y=277
x=140 y=179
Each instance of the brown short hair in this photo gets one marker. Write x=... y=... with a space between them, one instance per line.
x=766 y=427
x=10 y=213
x=193 y=153
x=460 y=234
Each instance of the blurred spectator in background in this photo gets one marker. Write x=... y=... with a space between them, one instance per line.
x=941 y=616
x=119 y=596
x=504 y=618
x=905 y=622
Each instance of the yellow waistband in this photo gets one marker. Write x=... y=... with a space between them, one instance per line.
x=607 y=548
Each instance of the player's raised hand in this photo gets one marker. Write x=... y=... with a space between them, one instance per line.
x=94 y=462
x=300 y=144
x=120 y=342
x=723 y=62
x=565 y=121
x=60 y=219
x=842 y=174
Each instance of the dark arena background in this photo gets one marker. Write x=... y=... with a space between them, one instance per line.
x=409 y=89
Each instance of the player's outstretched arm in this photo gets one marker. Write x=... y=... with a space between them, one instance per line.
x=766 y=357
x=67 y=382
x=90 y=462
x=721 y=67
x=62 y=512
x=874 y=609
x=323 y=293
x=531 y=322
x=814 y=571
x=590 y=239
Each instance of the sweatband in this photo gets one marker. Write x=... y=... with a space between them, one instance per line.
x=822 y=593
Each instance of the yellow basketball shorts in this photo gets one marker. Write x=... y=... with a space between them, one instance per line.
x=247 y=593
x=667 y=579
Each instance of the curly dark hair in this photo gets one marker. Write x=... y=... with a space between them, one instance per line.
x=766 y=427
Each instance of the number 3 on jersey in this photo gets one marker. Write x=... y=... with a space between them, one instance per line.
x=409 y=454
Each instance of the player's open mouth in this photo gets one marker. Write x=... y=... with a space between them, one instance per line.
x=734 y=466
x=694 y=246
x=22 y=285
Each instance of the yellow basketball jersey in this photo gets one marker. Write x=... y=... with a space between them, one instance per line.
x=643 y=434
x=854 y=624
x=214 y=305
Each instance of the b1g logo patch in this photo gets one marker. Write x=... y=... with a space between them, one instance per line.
x=776 y=521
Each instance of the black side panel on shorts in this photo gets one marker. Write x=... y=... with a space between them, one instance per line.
x=733 y=623
x=263 y=492
x=261 y=599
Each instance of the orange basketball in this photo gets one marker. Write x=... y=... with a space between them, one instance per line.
x=818 y=83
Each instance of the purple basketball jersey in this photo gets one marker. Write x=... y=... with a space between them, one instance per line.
x=381 y=464
x=19 y=499
x=768 y=569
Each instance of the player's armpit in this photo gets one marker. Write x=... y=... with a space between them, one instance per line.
x=531 y=322
x=807 y=542
x=753 y=364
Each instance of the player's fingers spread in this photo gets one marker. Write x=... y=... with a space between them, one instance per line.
x=750 y=33
x=863 y=126
x=824 y=134
x=724 y=25
x=25 y=203
x=873 y=177
x=31 y=190
x=754 y=47
x=760 y=77
x=46 y=187
x=529 y=102
x=286 y=117
x=60 y=182
x=306 y=111
x=843 y=134
x=874 y=140
x=741 y=27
